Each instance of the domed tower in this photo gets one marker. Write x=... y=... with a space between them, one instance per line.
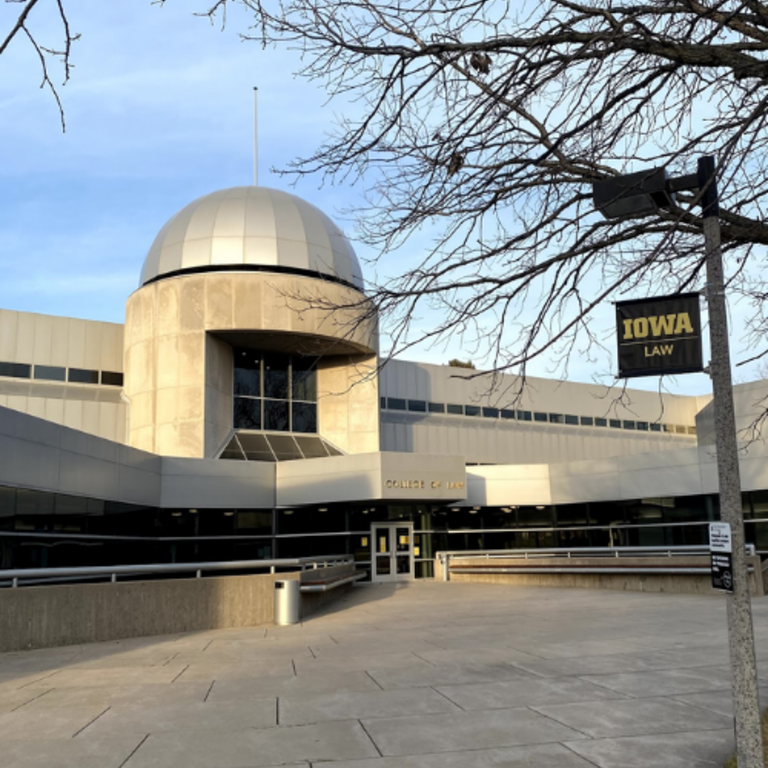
x=251 y=330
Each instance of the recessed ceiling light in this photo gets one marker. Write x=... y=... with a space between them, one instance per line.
x=192 y=511
x=322 y=509
x=540 y=506
x=175 y=514
x=229 y=513
x=288 y=512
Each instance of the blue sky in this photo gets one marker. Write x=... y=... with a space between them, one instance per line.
x=159 y=111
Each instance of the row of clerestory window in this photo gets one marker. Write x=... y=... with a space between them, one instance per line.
x=542 y=417
x=60 y=373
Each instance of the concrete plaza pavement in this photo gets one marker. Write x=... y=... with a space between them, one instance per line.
x=423 y=675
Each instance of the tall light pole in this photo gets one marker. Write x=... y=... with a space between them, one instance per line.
x=746 y=707
x=638 y=195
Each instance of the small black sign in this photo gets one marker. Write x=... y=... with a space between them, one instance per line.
x=660 y=335
x=722 y=571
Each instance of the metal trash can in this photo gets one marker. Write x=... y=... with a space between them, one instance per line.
x=287 y=601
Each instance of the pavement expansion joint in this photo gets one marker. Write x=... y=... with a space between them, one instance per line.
x=619 y=694
x=357 y=687
x=29 y=701
x=560 y=722
x=378 y=684
x=567 y=746
x=39 y=679
x=180 y=673
x=375 y=745
x=101 y=714
x=448 y=698
x=134 y=751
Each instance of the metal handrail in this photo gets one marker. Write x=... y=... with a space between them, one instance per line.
x=585 y=569
x=568 y=553
x=683 y=549
x=13 y=576
x=327 y=586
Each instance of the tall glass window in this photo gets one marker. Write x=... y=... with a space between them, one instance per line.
x=274 y=393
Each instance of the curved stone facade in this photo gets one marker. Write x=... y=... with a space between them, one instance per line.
x=179 y=334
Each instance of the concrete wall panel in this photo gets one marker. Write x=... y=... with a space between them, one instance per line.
x=28 y=464
x=9 y=322
x=372 y=476
x=35 y=406
x=43 y=333
x=78 y=471
x=25 y=338
x=173 y=360
x=500 y=441
x=35 y=453
x=212 y=483
x=445 y=384
x=92 y=353
x=76 y=344
x=40 y=617
x=98 y=410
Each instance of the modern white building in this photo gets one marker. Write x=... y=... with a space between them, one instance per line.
x=243 y=411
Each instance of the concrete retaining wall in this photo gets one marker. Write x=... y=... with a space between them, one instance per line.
x=677 y=583
x=47 y=616
x=40 y=617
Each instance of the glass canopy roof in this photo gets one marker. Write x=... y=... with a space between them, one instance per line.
x=252 y=446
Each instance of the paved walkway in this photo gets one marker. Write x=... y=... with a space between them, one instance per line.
x=423 y=676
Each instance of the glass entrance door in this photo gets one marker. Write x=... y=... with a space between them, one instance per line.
x=392 y=552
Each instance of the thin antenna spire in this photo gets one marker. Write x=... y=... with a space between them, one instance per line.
x=256 y=136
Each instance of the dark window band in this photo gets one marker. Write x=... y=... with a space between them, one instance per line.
x=83 y=376
x=254 y=268
x=16 y=370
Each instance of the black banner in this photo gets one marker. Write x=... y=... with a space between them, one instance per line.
x=721 y=565
x=660 y=335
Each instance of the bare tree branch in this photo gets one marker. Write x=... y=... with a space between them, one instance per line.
x=485 y=124
x=63 y=54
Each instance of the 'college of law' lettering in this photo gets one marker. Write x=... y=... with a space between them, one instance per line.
x=451 y=485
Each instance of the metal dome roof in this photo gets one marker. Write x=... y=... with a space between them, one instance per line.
x=252 y=228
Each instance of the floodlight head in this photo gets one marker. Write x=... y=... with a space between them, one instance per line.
x=632 y=196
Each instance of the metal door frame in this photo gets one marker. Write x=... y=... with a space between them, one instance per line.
x=392 y=552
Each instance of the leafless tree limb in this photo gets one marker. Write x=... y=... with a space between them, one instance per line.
x=487 y=122
x=20 y=28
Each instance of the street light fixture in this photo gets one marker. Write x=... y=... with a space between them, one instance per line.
x=634 y=195
x=642 y=194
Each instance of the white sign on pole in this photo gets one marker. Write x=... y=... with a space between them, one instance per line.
x=720 y=537
x=720 y=556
